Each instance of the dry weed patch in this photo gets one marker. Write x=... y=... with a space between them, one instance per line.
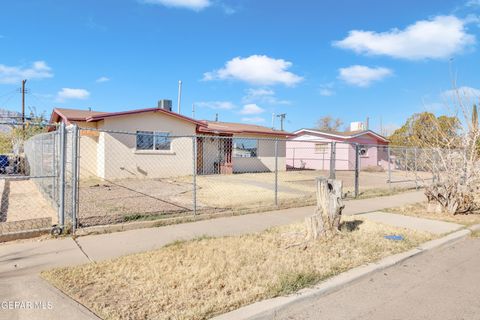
x=208 y=276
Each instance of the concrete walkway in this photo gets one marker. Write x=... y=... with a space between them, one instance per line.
x=440 y=284
x=420 y=224
x=21 y=262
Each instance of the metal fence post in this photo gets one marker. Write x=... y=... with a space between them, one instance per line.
x=54 y=165
x=389 y=167
x=75 y=145
x=194 y=160
x=357 y=169
x=61 y=187
x=333 y=152
x=415 y=167
x=276 y=171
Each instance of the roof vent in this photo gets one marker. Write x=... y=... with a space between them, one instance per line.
x=165 y=104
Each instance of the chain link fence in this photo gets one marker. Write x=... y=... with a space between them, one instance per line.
x=90 y=177
x=29 y=181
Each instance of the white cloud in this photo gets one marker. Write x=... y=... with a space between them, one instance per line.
x=473 y=3
x=257 y=70
x=251 y=109
x=440 y=37
x=253 y=119
x=326 y=90
x=463 y=91
x=363 y=76
x=70 y=93
x=38 y=70
x=263 y=96
x=195 y=5
x=216 y=105
x=102 y=79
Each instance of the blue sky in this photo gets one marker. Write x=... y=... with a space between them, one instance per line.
x=241 y=59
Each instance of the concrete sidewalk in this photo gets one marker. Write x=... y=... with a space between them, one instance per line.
x=32 y=256
x=420 y=224
x=21 y=262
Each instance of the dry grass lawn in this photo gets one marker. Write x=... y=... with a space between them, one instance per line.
x=420 y=210
x=208 y=276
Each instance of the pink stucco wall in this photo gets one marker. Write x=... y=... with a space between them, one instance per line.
x=301 y=152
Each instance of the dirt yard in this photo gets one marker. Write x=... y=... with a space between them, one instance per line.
x=103 y=202
x=208 y=276
x=23 y=207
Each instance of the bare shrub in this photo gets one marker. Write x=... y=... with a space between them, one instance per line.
x=452 y=155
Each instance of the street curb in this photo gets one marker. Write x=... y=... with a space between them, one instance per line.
x=268 y=309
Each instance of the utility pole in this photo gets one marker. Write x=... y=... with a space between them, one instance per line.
x=193 y=110
x=23 y=106
x=282 y=118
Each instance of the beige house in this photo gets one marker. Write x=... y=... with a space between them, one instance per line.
x=159 y=143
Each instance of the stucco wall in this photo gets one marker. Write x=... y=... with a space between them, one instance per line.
x=376 y=154
x=265 y=160
x=210 y=154
x=301 y=152
x=122 y=160
x=88 y=157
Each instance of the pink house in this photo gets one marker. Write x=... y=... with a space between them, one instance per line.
x=312 y=149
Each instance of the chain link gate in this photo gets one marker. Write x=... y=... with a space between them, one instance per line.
x=38 y=183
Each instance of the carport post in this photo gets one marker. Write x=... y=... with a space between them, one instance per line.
x=333 y=152
x=61 y=196
x=276 y=171
x=357 y=168
x=194 y=161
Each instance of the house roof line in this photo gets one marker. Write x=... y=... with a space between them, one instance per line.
x=360 y=133
x=217 y=131
x=102 y=116
x=202 y=126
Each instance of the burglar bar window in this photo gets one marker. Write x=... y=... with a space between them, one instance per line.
x=152 y=140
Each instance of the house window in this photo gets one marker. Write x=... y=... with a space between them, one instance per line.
x=152 y=140
x=321 y=148
x=245 y=148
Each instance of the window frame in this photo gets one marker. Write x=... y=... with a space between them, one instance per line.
x=155 y=135
x=238 y=156
x=324 y=149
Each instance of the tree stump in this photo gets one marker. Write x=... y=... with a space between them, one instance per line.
x=326 y=220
